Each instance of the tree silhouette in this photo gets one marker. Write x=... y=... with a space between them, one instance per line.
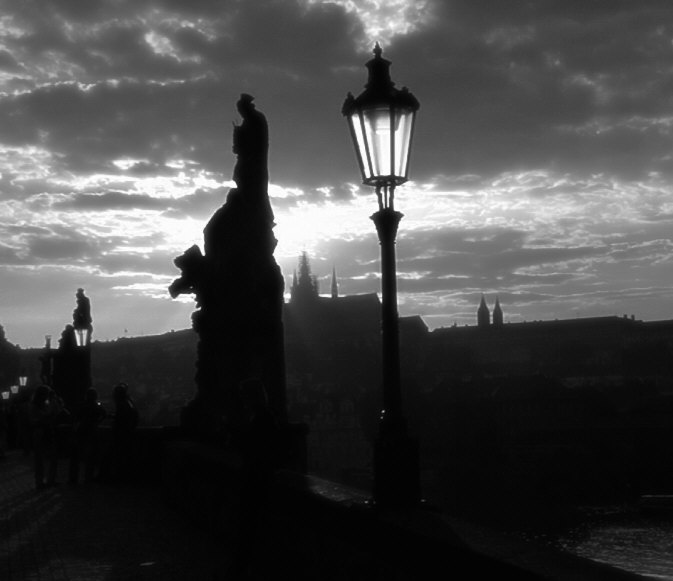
x=9 y=361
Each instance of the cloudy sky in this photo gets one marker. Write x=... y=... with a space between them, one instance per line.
x=540 y=172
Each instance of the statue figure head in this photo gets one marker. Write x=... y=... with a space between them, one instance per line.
x=245 y=104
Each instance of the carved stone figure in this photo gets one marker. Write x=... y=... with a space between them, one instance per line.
x=81 y=316
x=71 y=363
x=251 y=145
x=238 y=289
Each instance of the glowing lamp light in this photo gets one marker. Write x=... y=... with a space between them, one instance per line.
x=381 y=122
x=23 y=380
x=5 y=395
x=14 y=389
x=81 y=337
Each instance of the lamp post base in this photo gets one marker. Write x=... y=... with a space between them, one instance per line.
x=396 y=466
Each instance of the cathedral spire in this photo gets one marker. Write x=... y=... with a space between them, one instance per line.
x=304 y=284
x=497 y=314
x=335 y=286
x=483 y=314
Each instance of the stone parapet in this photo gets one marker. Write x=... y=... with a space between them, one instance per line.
x=317 y=529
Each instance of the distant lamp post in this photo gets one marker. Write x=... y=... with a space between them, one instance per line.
x=81 y=337
x=23 y=380
x=381 y=121
x=5 y=395
x=14 y=389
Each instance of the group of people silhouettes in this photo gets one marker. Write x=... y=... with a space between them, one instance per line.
x=104 y=461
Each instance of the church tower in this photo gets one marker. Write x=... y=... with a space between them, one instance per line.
x=483 y=314
x=305 y=285
x=497 y=314
x=335 y=286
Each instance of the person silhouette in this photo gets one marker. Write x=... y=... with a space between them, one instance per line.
x=45 y=409
x=4 y=429
x=124 y=423
x=85 y=440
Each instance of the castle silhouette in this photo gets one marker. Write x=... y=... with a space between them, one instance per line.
x=537 y=402
x=608 y=349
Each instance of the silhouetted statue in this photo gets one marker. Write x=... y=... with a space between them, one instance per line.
x=67 y=341
x=251 y=146
x=238 y=289
x=71 y=371
x=191 y=263
x=81 y=316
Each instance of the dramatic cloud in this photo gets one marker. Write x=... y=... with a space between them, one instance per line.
x=541 y=163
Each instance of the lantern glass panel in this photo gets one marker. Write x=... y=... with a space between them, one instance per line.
x=81 y=337
x=361 y=146
x=404 y=120
x=378 y=136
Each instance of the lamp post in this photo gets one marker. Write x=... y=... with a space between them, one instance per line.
x=81 y=337
x=381 y=121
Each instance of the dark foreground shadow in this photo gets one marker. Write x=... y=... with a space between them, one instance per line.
x=92 y=531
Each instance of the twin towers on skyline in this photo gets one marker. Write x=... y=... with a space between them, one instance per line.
x=484 y=315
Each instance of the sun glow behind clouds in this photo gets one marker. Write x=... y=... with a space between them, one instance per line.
x=304 y=226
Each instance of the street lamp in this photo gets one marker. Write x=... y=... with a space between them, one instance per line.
x=23 y=380
x=14 y=389
x=81 y=337
x=381 y=121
